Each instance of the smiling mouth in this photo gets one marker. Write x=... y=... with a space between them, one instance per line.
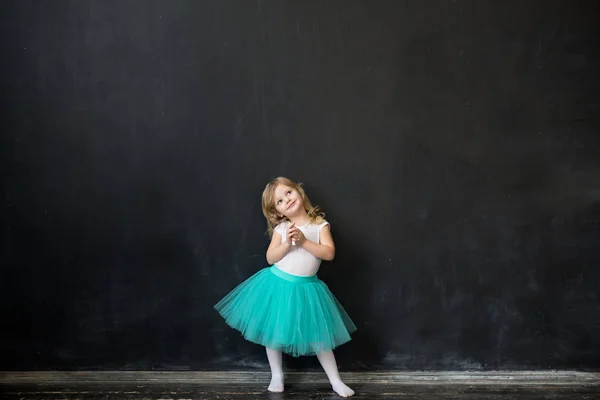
x=291 y=205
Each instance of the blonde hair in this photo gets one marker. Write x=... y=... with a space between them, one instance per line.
x=268 y=204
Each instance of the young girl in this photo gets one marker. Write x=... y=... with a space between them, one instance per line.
x=285 y=307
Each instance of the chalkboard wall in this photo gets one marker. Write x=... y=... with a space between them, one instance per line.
x=454 y=145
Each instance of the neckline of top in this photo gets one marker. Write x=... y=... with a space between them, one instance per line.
x=300 y=226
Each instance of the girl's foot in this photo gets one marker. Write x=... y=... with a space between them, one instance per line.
x=276 y=385
x=341 y=389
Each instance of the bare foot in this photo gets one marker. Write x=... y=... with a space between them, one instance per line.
x=341 y=389
x=276 y=385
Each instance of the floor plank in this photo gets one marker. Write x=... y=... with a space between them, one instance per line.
x=222 y=386
x=295 y=391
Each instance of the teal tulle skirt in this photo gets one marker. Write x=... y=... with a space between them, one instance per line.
x=297 y=315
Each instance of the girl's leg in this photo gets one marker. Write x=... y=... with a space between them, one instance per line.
x=327 y=360
x=274 y=357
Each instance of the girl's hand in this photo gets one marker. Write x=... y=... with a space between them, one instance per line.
x=296 y=236
x=290 y=231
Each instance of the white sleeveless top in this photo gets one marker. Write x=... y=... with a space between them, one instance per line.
x=299 y=261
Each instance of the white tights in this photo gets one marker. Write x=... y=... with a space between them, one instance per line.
x=327 y=360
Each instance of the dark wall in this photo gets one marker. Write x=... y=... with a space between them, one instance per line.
x=454 y=145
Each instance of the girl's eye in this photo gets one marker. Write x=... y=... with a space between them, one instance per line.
x=289 y=191
x=278 y=201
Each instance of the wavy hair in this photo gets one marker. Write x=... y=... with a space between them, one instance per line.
x=315 y=215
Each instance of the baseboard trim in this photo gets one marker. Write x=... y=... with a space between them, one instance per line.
x=561 y=378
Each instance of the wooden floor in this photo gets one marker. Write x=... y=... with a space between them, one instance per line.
x=225 y=386
x=297 y=392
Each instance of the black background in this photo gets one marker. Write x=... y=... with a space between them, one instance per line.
x=454 y=146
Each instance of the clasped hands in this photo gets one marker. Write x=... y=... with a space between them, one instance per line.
x=295 y=236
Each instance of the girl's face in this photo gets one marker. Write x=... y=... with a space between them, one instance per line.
x=288 y=200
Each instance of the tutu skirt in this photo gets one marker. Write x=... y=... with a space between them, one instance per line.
x=295 y=314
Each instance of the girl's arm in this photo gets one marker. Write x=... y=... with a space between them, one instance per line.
x=277 y=250
x=325 y=250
